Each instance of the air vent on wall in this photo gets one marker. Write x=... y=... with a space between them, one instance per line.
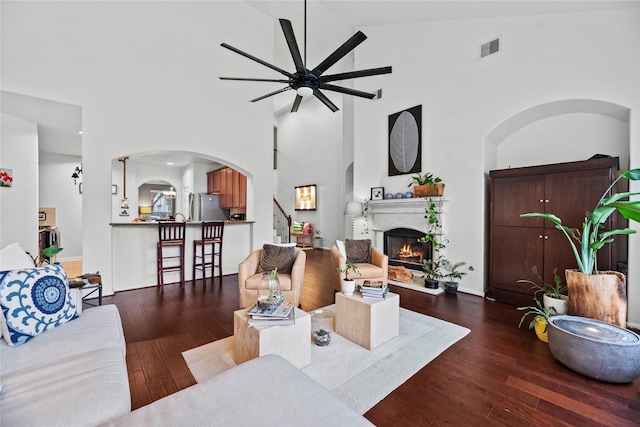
x=490 y=47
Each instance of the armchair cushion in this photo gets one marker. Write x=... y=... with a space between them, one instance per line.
x=358 y=250
x=277 y=257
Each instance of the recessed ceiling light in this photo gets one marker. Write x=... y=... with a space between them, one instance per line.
x=170 y=163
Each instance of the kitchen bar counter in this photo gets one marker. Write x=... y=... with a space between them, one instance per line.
x=134 y=251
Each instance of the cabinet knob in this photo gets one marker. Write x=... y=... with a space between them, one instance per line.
x=546 y=201
x=541 y=201
x=540 y=236
x=546 y=237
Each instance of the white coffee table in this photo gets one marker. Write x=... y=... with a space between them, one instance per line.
x=293 y=342
x=367 y=322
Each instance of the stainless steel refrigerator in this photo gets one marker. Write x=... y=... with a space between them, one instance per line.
x=206 y=207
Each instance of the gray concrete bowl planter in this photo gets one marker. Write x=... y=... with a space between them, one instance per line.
x=595 y=349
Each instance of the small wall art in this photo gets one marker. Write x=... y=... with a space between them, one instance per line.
x=405 y=141
x=6 y=177
x=377 y=193
x=306 y=198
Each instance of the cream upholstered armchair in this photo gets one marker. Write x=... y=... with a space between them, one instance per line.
x=249 y=276
x=376 y=269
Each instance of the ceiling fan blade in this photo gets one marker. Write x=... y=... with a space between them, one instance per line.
x=245 y=79
x=258 y=60
x=325 y=100
x=296 y=103
x=347 y=91
x=339 y=53
x=355 y=74
x=270 y=94
x=287 y=29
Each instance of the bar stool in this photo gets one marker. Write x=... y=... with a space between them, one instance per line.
x=211 y=235
x=170 y=235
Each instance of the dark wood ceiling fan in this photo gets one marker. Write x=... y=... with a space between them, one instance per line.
x=307 y=82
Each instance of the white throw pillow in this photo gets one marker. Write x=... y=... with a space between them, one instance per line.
x=34 y=300
x=14 y=257
x=341 y=249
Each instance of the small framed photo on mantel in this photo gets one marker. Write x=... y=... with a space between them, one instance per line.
x=377 y=193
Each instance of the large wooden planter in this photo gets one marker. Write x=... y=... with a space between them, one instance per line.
x=435 y=190
x=598 y=296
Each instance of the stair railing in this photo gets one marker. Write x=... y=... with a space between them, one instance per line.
x=281 y=222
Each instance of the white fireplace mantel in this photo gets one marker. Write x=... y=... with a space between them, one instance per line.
x=384 y=215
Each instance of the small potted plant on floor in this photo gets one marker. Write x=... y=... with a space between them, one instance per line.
x=348 y=284
x=433 y=272
x=426 y=185
x=540 y=320
x=552 y=295
x=452 y=274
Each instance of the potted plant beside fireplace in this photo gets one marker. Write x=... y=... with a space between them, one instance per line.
x=452 y=275
x=433 y=272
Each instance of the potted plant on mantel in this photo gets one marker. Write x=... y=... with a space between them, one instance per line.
x=590 y=290
x=426 y=185
x=348 y=284
x=552 y=295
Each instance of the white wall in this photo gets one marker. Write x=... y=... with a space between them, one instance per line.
x=19 y=203
x=545 y=58
x=146 y=77
x=58 y=191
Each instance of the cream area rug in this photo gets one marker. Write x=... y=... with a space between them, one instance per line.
x=357 y=376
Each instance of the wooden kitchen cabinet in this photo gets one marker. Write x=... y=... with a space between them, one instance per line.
x=516 y=244
x=231 y=185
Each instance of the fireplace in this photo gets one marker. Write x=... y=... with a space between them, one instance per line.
x=404 y=249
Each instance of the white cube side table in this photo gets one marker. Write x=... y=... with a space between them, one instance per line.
x=368 y=322
x=292 y=342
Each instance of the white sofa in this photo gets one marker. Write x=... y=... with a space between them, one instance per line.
x=72 y=375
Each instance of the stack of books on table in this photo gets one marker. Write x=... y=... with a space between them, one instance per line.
x=374 y=289
x=284 y=314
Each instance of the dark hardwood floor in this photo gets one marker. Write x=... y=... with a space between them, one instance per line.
x=496 y=375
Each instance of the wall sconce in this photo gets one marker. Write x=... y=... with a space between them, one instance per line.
x=76 y=174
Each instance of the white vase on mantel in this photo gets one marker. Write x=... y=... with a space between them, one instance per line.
x=348 y=287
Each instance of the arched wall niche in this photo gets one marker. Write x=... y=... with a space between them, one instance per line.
x=559 y=131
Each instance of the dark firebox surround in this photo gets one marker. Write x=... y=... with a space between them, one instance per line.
x=396 y=238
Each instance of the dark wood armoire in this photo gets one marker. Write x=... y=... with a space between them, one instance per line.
x=516 y=244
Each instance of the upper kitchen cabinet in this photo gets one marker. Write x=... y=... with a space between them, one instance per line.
x=231 y=185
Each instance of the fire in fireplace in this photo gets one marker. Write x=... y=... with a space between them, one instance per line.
x=404 y=249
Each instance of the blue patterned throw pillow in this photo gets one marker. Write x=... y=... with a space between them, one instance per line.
x=33 y=301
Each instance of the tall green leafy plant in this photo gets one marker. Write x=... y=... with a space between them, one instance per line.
x=585 y=242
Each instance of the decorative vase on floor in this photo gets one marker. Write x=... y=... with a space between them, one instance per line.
x=348 y=287
x=560 y=304
x=598 y=296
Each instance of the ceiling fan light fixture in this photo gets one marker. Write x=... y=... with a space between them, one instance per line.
x=304 y=91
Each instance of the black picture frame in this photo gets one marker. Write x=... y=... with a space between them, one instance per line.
x=306 y=197
x=405 y=141
x=377 y=193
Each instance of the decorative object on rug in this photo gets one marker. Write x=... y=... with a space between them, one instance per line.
x=309 y=82
x=552 y=295
x=405 y=141
x=602 y=298
x=322 y=326
x=595 y=349
x=6 y=177
x=269 y=294
x=377 y=193
x=426 y=185
x=540 y=320
x=357 y=376
x=306 y=197
x=348 y=284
